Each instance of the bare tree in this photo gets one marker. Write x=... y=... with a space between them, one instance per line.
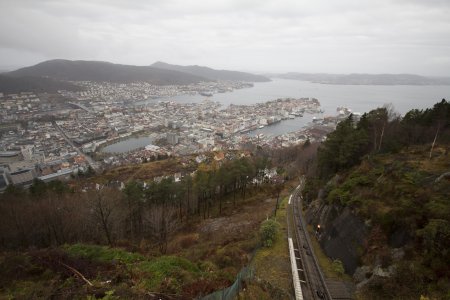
x=435 y=138
x=104 y=205
x=162 y=222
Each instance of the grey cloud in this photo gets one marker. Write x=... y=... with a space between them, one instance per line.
x=290 y=35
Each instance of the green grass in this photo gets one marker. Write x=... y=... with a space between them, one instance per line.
x=167 y=273
x=21 y=278
x=26 y=289
x=162 y=274
x=102 y=253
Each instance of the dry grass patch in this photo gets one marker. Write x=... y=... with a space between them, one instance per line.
x=146 y=171
x=272 y=265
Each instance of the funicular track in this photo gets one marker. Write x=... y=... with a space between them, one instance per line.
x=312 y=281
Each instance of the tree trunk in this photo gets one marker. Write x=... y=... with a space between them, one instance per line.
x=104 y=219
x=234 y=193
x=188 y=207
x=276 y=205
x=381 y=137
x=180 y=210
x=163 y=230
x=220 y=201
x=130 y=216
x=374 y=141
x=434 y=141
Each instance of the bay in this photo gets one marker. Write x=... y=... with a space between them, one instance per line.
x=358 y=98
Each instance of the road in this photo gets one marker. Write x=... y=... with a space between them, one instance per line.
x=89 y=159
x=313 y=283
x=81 y=106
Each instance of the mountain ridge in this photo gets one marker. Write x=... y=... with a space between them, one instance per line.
x=212 y=73
x=100 y=71
x=56 y=74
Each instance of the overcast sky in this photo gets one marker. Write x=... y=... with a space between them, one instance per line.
x=333 y=36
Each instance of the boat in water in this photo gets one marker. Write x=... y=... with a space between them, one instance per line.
x=206 y=94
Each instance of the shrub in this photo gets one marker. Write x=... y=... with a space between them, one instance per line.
x=167 y=273
x=230 y=255
x=338 y=267
x=189 y=240
x=269 y=231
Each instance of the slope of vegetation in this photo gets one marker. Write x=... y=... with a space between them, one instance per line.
x=272 y=264
x=163 y=238
x=202 y=257
x=81 y=270
x=394 y=173
x=408 y=207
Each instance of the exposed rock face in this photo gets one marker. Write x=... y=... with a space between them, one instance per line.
x=397 y=254
x=399 y=238
x=343 y=236
x=362 y=273
x=342 y=233
x=365 y=275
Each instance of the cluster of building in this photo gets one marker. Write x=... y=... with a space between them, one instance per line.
x=31 y=147
x=27 y=106
x=50 y=137
x=141 y=91
x=40 y=152
x=179 y=129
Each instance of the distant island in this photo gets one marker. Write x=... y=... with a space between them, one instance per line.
x=53 y=75
x=366 y=79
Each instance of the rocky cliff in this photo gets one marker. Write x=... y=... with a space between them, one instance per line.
x=341 y=235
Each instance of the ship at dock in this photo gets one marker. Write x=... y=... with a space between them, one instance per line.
x=206 y=93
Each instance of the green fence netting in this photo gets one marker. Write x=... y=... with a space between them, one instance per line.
x=246 y=274
x=233 y=290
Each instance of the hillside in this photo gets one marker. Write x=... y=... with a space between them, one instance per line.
x=390 y=216
x=11 y=85
x=212 y=73
x=153 y=239
x=105 y=72
x=203 y=257
x=367 y=79
x=380 y=195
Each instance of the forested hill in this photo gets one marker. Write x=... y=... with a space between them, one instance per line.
x=10 y=85
x=212 y=73
x=393 y=174
x=53 y=75
x=99 y=71
x=383 y=131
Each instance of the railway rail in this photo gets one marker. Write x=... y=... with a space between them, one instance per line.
x=312 y=281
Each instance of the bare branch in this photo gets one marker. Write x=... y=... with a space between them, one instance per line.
x=77 y=273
